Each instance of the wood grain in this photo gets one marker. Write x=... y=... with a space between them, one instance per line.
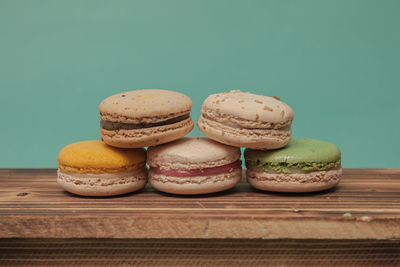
x=198 y=252
x=366 y=205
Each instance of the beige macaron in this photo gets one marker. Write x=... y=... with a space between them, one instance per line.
x=144 y=118
x=244 y=119
x=194 y=165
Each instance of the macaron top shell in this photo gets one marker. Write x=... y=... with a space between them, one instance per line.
x=143 y=106
x=96 y=157
x=298 y=150
x=304 y=153
x=249 y=106
x=192 y=153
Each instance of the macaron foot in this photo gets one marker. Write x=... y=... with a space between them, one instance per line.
x=102 y=184
x=295 y=182
x=195 y=185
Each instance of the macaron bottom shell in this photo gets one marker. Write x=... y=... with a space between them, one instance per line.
x=240 y=137
x=299 y=182
x=102 y=184
x=138 y=138
x=197 y=184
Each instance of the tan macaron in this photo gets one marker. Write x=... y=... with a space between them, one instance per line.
x=194 y=165
x=144 y=118
x=244 y=119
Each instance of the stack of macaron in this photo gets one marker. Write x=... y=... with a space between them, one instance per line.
x=274 y=162
x=158 y=120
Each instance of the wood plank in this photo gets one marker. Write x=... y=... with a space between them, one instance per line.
x=198 y=252
x=366 y=204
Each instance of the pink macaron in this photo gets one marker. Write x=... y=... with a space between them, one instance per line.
x=194 y=165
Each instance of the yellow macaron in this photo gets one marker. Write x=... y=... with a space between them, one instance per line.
x=93 y=168
x=94 y=156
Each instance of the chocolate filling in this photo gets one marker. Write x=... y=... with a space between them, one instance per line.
x=110 y=125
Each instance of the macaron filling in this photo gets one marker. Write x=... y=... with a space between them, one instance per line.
x=198 y=172
x=286 y=167
x=111 y=125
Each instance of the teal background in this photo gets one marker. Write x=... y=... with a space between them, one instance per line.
x=336 y=63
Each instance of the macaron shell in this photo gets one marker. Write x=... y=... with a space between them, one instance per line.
x=241 y=137
x=195 y=185
x=144 y=106
x=297 y=151
x=296 y=182
x=102 y=184
x=236 y=122
x=145 y=137
x=192 y=153
x=96 y=157
x=249 y=106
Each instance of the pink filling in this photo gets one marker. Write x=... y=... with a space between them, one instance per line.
x=199 y=172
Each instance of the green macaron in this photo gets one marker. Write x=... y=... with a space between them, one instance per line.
x=304 y=165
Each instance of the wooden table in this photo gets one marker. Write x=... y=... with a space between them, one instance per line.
x=356 y=223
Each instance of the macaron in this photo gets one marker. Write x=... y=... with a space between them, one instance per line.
x=304 y=165
x=194 y=165
x=244 y=119
x=92 y=168
x=144 y=118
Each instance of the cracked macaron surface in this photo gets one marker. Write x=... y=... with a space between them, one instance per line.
x=244 y=119
x=144 y=118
